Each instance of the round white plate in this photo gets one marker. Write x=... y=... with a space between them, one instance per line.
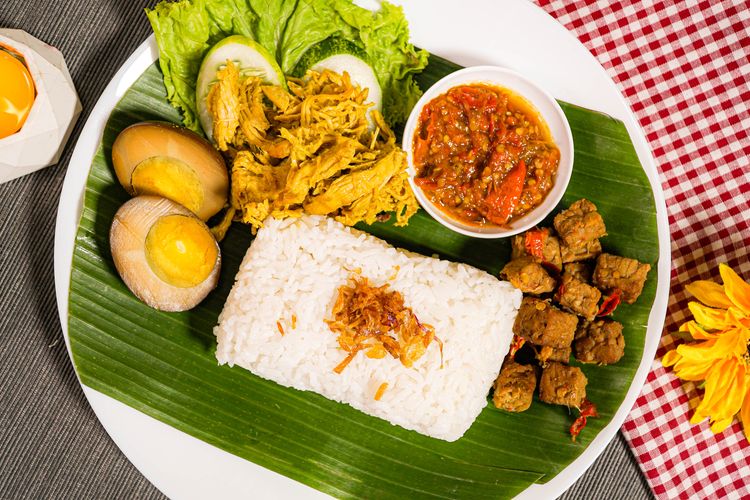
x=512 y=33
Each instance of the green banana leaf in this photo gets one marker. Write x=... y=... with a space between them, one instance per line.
x=163 y=363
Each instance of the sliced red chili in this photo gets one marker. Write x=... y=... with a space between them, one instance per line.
x=471 y=96
x=577 y=427
x=422 y=140
x=515 y=345
x=560 y=292
x=502 y=200
x=535 y=241
x=610 y=303
x=587 y=410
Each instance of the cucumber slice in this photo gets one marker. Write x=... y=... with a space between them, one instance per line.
x=338 y=56
x=250 y=58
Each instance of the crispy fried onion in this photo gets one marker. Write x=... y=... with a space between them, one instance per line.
x=376 y=321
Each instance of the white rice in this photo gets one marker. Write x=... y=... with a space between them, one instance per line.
x=294 y=268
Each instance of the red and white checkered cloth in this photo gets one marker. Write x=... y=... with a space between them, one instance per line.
x=684 y=66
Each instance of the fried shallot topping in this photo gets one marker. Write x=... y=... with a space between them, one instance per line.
x=381 y=390
x=376 y=321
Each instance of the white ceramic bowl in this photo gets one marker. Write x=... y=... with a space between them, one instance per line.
x=547 y=107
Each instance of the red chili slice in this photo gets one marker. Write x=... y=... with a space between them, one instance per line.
x=560 y=292
x=423 y=139
x=535 y=241
x=470 y=95
x=517 y=343
x=610 y=303
x=503 y=199
x=588 y=409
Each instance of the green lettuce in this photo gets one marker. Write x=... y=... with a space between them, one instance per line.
x=186 y=29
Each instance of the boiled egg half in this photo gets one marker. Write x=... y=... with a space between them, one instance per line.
x=162 y=159
x=164 y=253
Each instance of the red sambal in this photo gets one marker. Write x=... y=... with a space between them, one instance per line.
x=484 y=155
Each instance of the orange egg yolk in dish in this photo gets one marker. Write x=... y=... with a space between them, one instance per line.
x=16 y=94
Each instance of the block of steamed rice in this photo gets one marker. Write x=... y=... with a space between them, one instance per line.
x=274 y=324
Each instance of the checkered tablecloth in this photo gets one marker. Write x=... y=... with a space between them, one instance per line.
x=684 y=66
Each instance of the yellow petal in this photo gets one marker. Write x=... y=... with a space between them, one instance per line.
x=693 y=370
x=737 y=318
x=731 y=404
x=725 y=389
x=670 y=358
x=708 y=317
x=692 y=361
x=735 y=340
x=736 y=288
x=727 y=344
x=697 y=418
x=718 y=426
x=745 y=411
x=710 y=293
x=695 y=331
x=716 y=384
x=701 y=351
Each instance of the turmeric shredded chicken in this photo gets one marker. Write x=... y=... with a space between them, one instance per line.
x=310 y=149
x=376 y=321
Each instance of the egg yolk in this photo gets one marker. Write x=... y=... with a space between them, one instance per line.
x=16 y=94
x=169 y=178
x=181 y=250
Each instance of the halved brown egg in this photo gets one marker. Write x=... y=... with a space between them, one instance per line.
x=165 y=254
x=162 y=159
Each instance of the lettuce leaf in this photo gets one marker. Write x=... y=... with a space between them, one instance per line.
x=186 y=29
x=312 y=22
x=384 y=35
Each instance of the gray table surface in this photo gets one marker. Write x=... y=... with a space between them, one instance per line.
x=51 y=444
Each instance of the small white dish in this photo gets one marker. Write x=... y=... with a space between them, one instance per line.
x=41 y=140
x=551 y=113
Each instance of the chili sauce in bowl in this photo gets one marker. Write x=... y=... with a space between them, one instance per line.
x=490 y=154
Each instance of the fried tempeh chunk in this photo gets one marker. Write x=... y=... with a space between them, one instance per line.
x=542 y=324
x=521 y=244
x=599 y=342
x=626 y=274
x=579 y=224
x=562 y=385
x=581 y=271
x=528 y=276
x=578 y=297
x=545 y=354
x=589 y=250
x=514 y=387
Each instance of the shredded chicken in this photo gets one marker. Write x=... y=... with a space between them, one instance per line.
x=376 y=321
x=224 y=104
x=310 y=149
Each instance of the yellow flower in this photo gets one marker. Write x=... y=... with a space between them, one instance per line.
x=720 y=353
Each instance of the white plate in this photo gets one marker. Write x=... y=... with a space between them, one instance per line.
x=511 y=33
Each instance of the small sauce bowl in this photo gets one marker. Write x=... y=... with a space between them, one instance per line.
x=550 y=112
